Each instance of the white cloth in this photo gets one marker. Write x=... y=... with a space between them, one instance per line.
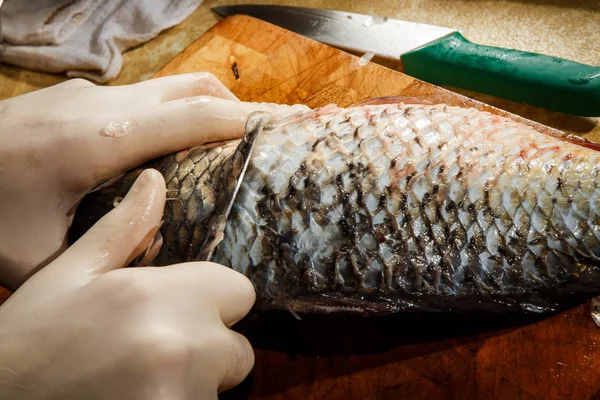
x=83 y=38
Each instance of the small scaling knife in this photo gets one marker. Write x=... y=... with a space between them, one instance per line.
x=442 y=56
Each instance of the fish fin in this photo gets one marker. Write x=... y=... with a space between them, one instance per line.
x=595 y=310
x=212 y=145
x=151 y=252
x=392 y=100
x=339 y=303
x=578 y=140
x=295 y=314
x=98 y=202
x=232 y=175
x=301 y=116
x=106 y=183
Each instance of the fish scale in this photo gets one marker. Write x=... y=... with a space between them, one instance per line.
x=388 y=207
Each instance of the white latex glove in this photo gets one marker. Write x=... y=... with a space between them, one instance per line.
x=85 y=328
x=58 y=143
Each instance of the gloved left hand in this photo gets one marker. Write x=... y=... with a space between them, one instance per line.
x=57 y=144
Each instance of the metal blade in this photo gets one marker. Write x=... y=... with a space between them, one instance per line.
x=386 y=37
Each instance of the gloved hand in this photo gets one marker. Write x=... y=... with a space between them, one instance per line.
x=58 y=143
x=85 y=328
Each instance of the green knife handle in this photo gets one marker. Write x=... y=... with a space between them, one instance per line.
x=534 y=79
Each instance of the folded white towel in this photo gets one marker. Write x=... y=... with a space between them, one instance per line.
x=83 y=38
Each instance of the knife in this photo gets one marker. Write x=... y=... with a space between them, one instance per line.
x=442 y=56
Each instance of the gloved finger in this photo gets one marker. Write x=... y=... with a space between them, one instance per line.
x=238 y=357
x=230 y=293
x=173 y=126
x=180 y=86
x=119 y=236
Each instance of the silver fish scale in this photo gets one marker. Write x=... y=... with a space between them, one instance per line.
x=386 y=205
x=193 y=179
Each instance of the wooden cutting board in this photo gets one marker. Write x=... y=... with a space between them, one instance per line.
x=418 y=356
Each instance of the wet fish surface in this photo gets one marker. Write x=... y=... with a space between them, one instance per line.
x=385 y=207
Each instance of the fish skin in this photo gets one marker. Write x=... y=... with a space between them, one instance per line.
x=390 y=207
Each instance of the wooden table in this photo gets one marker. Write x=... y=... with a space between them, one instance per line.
x=425 y=357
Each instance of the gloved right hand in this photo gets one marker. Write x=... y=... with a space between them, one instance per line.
x=86 y=328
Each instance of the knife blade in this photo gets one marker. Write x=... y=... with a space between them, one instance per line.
x=443 y=56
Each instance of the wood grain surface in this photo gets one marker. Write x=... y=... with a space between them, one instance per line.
x=275 y=65
x=416 y=357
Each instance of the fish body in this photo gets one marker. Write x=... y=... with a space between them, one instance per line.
x=386 y=207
